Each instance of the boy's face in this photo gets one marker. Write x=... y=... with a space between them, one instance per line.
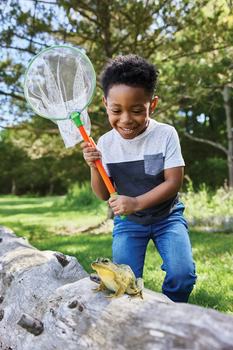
x=129 y=109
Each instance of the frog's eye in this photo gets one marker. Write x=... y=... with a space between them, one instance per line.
x=105 y=261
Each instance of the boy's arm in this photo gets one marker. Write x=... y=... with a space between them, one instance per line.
x=173 y=178
x=173 y=181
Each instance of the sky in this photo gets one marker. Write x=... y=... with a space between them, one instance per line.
x=8 y=112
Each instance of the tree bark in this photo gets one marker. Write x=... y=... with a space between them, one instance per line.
x=227 y=106
x=13 y=186
x=47 y=302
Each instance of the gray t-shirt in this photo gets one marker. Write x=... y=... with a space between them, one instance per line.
x=137 y=165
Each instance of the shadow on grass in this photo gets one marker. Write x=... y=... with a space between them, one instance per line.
x=86 y=248
x=17 y=203
x=36 y=208
x=11 y=200
x=31 y=232
x=27 y=205
x=33 y=210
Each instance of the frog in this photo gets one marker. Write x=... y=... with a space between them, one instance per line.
x=117 y=278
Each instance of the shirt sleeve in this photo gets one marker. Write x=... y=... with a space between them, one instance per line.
x=100 y=147
x=173 y=155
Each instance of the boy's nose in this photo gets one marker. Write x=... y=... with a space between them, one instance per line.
x=126 y=118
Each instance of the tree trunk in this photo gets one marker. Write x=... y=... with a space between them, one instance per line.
x=51 y=189
x=13 y=187
x=47 y=302
x=227 y=106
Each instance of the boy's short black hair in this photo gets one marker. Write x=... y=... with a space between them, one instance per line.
x=131 y=70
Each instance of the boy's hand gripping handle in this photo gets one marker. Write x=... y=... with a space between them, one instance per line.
x=75 y=116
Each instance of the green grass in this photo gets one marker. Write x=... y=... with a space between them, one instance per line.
x=31 y=216
x=45 y=220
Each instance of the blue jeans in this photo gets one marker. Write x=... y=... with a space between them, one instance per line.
x=171 y=238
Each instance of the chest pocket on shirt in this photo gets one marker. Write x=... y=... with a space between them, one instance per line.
x=153 y=163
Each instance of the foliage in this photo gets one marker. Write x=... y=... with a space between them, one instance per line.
x=211 y=211
x=190 y=42
x=80 y=196
x=211 y=171
x=194 y=73
x=38 y=165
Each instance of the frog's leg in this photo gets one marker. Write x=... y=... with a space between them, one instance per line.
x=120 y=291
x=100 y=287
x=136 y=287
x=140 y=283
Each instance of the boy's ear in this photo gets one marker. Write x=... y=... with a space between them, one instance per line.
x=153 y=103
x=104 y=101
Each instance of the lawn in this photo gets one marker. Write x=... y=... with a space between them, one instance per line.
x=50 y=225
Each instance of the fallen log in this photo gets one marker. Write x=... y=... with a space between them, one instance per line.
x=47 y=302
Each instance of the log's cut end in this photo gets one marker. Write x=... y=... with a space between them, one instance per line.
x=47 y=302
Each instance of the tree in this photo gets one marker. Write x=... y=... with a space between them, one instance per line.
x=181 y=37
x=42 y=165
x=201 y=79
x=103 y=29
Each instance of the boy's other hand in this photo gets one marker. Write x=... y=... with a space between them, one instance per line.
x=123 y=205
x=90 y=154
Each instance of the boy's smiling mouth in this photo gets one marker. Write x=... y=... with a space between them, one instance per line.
x=128 y=129
x=130 y=132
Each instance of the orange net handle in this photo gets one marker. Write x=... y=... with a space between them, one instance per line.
x=98 y=162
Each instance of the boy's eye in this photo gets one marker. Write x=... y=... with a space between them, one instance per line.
x=116 y=111
x=137 y=111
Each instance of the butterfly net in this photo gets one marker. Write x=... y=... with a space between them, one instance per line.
x=61 y=80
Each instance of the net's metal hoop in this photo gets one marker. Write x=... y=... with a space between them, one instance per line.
x=58 y=81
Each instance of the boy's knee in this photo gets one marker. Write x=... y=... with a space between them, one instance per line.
x=181 y=279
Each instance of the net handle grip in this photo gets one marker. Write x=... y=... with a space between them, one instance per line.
x=98 y=162
x=100 y=167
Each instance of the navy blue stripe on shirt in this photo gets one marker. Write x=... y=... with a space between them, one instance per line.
x=135 y=178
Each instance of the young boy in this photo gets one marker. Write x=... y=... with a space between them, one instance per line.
x=144 y=161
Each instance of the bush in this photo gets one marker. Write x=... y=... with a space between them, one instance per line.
x=209 y=210
x=81 y=196
x=211 y=171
